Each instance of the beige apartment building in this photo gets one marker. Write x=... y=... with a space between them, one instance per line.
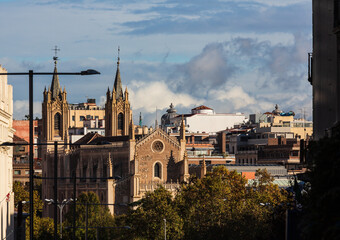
x=278 y=121
x=78 y=113
x=6 y=156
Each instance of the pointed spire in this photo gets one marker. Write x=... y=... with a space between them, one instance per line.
x=132 y=130
x=140 y=119
x=126 y=94
x=182 y=130
x=118 y=82
x=156 y=122
x=55 y=86
x=110 y=165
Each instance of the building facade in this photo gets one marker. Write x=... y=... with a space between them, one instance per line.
x=6 y=156
x=82 y=112
x=201 y=120
x=117 y=109
x=55 y=111
x=324 y=73
x=120 y=166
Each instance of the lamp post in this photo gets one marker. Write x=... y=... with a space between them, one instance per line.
x=30 y=74
x=60 y=206
x=164 y=228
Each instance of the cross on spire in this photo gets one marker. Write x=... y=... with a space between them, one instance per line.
x=55 y=49
x=118 y=55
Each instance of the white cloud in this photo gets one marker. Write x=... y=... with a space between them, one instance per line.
x=236 y=95
x=21 y=108
x=150 y=95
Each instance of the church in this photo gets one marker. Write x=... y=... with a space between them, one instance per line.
x=119 y=167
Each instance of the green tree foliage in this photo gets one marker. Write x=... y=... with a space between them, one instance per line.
x=219 y=206
x=98 y=218
x=43 y=227
x=21 y=193
x=147 y=220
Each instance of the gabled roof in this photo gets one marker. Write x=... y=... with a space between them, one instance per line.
x=87 y=138
x=105 y=140
x=160 y=132
x=17 y=139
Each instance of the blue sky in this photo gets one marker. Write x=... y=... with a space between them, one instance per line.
x=231 y=55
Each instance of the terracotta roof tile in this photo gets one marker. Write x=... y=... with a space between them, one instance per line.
x=201 y=107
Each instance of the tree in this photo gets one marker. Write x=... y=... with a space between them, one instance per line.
x=43 y=227
x=147 y=221
x=206 y=204
x=221 y=204
x=21 y=194
x=98 y=217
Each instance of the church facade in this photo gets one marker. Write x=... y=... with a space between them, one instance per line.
x=120 y=166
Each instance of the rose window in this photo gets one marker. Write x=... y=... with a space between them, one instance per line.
x=157 y=146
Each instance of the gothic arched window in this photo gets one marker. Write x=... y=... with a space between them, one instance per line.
x=157 y=170
x=57 y=123
x=84 y=173
x=104 y=172
x=120 y=121
x=94 y=175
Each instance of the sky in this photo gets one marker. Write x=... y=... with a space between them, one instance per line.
x=230 y=55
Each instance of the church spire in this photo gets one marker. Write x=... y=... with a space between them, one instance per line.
x=182 y=130
x=55 y=86
x=118 y=82
x=140 y=119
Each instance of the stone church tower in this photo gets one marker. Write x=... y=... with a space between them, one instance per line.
x=55 y=111
x=117 y=109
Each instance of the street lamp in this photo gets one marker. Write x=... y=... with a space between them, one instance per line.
x=60 y=206
x=30 y=74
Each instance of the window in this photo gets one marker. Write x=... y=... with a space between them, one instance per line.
x=120 y=121
x=294 y=153
x=57 y=123
x=81 y=118
x=84 y=173
x=94 y=175
x=104 y=172
x=17 y=172
x=73 y=118
x=157 y=146
x=157 y=170
x=27 y=172
x=88 y=117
